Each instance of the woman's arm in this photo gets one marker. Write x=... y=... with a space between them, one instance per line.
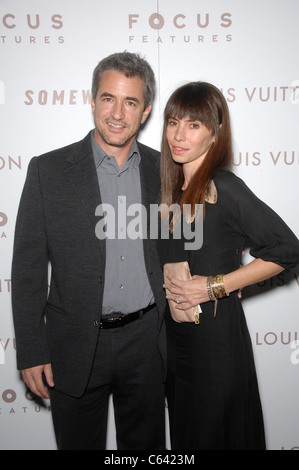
x=194 y=292
x=273 y=245
x=256 y=271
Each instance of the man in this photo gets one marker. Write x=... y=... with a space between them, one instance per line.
x=99 y=329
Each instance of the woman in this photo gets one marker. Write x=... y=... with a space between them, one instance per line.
x=212 y=388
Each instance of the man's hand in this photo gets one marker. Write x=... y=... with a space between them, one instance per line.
x=34 y=380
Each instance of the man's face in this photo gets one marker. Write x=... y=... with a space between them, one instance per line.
x=118 y=112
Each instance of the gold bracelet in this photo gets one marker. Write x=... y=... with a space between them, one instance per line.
x=217 y=287
x=209 y=289
x=216 y=290
x=211 y=295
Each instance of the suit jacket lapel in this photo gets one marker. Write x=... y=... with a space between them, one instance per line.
x=150 y=178
x=83 y=176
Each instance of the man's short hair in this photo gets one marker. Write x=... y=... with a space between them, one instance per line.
x=130 y=65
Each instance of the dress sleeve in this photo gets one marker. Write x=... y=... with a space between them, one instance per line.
x=268 y=236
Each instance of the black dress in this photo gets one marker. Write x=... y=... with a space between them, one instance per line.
x=212 y=388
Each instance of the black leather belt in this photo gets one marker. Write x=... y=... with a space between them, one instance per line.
x=118 y=320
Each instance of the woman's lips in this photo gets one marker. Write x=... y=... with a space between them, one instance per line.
x=178 y=150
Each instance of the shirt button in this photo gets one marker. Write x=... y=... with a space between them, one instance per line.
x=122 y=258
x=121 y=286
x=96 y=323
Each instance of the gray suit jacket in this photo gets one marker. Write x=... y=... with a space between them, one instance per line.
x=56 y=222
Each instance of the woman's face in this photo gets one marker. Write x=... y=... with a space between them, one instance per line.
x=189 y=141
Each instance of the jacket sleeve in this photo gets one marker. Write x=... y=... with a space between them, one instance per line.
x=30 y=275
x=267 y=235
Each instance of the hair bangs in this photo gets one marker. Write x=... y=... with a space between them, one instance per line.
x=191 y=102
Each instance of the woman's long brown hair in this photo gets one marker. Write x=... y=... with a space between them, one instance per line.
x=202 y=102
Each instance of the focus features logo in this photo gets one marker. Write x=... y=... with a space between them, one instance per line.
x=3 y=219
x=3 y=222
x=15 y=403
x=198 y=28
x=14 y=29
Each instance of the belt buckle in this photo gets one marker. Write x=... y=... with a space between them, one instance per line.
x=112 y=322
x=115 y=322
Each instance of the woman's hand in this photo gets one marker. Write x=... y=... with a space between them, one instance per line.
x=187 y=294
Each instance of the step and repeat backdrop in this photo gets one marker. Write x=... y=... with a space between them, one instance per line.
x=48 y=50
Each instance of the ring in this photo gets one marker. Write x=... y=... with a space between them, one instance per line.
x=178 y=300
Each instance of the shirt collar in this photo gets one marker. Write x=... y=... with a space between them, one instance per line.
x=99 y=154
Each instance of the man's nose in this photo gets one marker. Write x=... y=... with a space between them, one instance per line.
x=117 y=111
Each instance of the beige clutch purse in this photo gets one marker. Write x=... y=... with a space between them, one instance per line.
x=181 y=271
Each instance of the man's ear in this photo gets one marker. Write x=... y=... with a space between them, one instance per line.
x=146 y=113
x=93 y=105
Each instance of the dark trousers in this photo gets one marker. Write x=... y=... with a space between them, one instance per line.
x=128 y=366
